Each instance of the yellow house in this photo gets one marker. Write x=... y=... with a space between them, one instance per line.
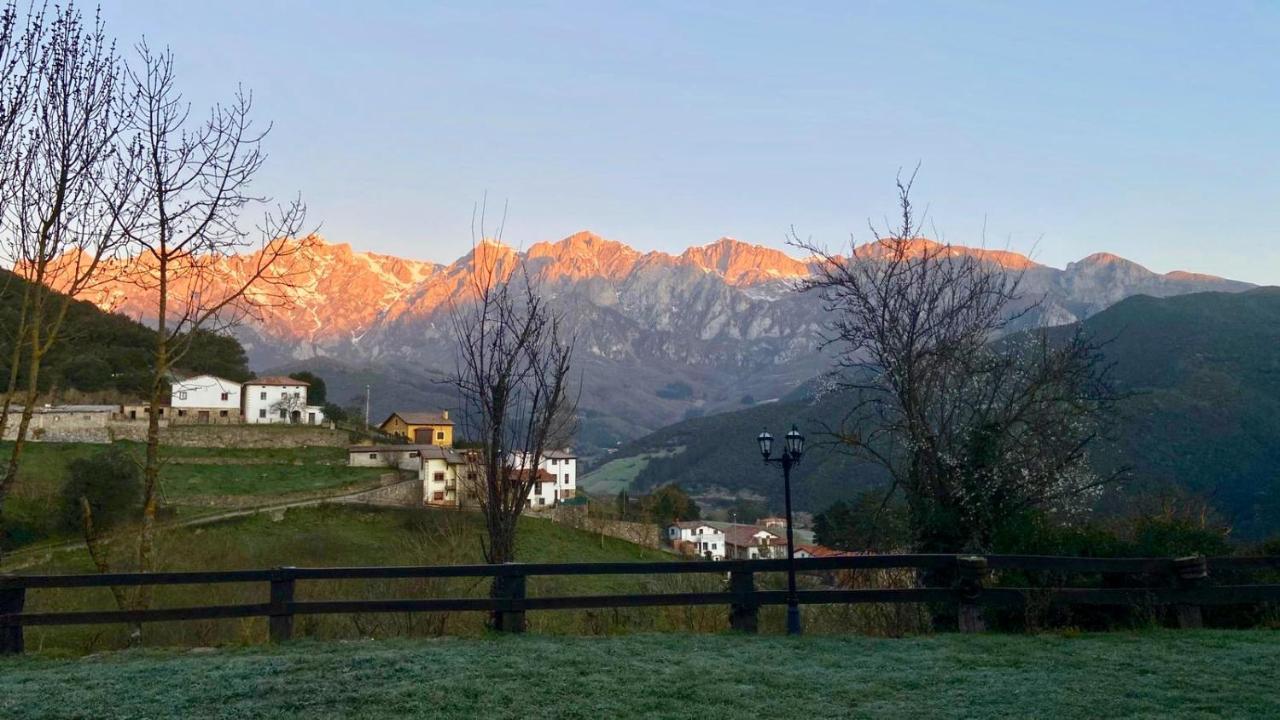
x=421 y=427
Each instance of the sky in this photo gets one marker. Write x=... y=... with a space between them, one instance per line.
x=1149 y=130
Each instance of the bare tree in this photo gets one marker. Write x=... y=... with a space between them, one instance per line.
x=67 y=177
x=512 y=375
x=971 y=428
x=289 y=407
x=191 y=188
x=20 y=53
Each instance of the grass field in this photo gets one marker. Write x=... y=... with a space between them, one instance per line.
x=616 y=475
x=1168 y=674
x=337 y=535
x=182 y=481
x=201 y=477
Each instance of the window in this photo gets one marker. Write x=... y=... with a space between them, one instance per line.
x=440 y=435
x=297 y=394
x=262 y=412
x=537 y=488
x=438 y=477
x=262 y=395
x=182 y=413
x=182 y=394
x=437 y=496
x=283 y=414
x=373 y=456
x=413 y=454
x=225 y=396
x=542 y=501
x=223 y=413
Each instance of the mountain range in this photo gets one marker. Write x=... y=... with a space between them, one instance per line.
x=661 y=337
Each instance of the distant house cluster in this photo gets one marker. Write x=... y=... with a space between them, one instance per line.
x=712 y=540
x=211 y=400
x=194 y=400
x=451 y=476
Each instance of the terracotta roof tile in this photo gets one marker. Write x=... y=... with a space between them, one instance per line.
x=421 y=417
x=277 y=380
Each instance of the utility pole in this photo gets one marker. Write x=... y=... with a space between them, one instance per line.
x=366 y=407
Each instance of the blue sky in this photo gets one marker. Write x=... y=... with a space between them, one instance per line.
x=1151 y=130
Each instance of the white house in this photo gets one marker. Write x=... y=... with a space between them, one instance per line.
x=705 y=539
x=204 y=399
x=720 y=540
x=447 y=478
x=752 y=542
x=279 y=400
x=562 y=465
x=556 y=480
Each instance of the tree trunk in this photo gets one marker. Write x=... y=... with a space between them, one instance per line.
x=151 y=465
x=29 y=401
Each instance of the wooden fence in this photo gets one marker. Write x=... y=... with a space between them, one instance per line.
x=1187 y=583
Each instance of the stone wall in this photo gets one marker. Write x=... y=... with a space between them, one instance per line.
x=406 y=493
x=68 y=425
x=87 y=427
x=645 y=534
x=254 y=436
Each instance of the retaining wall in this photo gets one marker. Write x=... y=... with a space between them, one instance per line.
x=645 y=534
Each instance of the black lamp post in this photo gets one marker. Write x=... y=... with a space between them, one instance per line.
x=792 y=449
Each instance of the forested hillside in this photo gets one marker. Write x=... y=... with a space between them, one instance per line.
x=104 y=355
x=1201 y=371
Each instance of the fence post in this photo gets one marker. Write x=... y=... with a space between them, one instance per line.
x=509 y=587
x=744 y=613
x=971 y=571
x=1190 y=572
x=12 y=600
x=280 y=619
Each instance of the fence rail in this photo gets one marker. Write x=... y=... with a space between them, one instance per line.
x=1181 y=582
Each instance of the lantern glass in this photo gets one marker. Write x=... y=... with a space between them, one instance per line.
x=766 y=443
x=795 y=443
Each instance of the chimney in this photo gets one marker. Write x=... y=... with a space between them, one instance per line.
x=445 y=414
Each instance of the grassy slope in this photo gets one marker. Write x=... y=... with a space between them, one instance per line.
x=331 y=535
x=616 y=475
x=1159 y=674
x=31 y=512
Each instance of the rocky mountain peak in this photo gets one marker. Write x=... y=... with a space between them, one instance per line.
x=581 y=255
x=921 y=245
x=1103 y=259
x=741 y=263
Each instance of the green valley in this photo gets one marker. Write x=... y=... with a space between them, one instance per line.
x=1202 y=414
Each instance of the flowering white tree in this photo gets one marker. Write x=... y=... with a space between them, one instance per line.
x=972 y=429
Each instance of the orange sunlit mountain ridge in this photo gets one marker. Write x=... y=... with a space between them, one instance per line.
x=336 y=292
x=660 y=336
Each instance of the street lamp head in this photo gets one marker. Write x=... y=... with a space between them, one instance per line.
x=766 y=443
x=794 y=443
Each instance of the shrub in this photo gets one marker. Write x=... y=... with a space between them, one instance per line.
x=335 y=413
x=112 y=483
